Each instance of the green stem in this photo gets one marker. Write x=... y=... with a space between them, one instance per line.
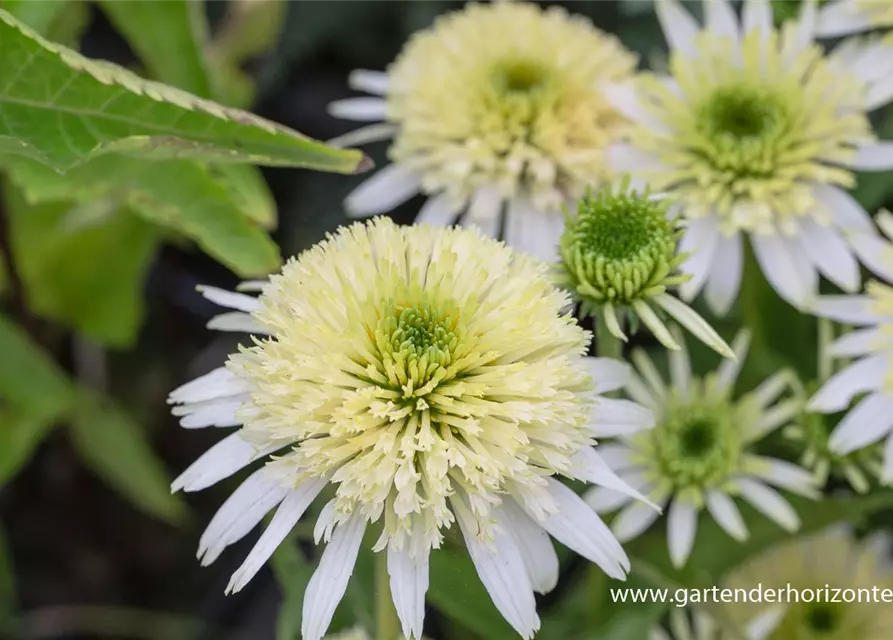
x=606 y=344
x=387 y=624
x=826 y=337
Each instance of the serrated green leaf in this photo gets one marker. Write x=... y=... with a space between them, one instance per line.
x=114 y=446
x=62 y=109
x=83 y=266
x=31 y=383
x=179 y=195
x=182 y=28
x=457 y=592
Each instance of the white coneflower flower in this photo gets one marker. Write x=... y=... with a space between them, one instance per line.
x=757 y=133
x=871 y=420
x=844 y=17
x=618 y=258
x=698 y=454
x=819 y=566
x=498 y=105
x=430 y=376
x=701 y=626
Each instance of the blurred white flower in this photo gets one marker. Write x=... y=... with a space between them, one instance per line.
x=698 y=454
x=495 y=106
x=871 y=420
x=845 y=17
x=429 y=376
x=756 y=133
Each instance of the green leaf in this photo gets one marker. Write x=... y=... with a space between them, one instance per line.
x=40 y=16
x=20 y=434
x=248 y=190
x=457 y=592
x=179 y=26
x=62 y=109
x=30 y=381
x=179 y=195
x=292 y=573
x=116 y=449
x=83 y=266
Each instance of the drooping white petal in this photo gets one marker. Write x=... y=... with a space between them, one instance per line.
x=608 y=374
x=633 y=521
x=236 y=321
x=769 y=502
x=682 y=525
x=501 y=569
x=364 y=135
x=616 y=456
x=689 y=318
x=533 y=231
x=859 y=343
x=219 y=462
x=679 y=27
x=439 y=211
x=830 y=254
x=588 y=465
x=868 y=422
x=875 y=253
x=287 y=515
x=218 y=383
x=726 y=514
x=700 y=239
x=728 y=370
x=848 y=213
x=329 y=581
x=756 y=14
x=771 y=388
x=390 y=187
x=865 y=375
x=533 y=543
x=625 y=99
x=646 y=368
x=219 y=412
x=879 y=93
x=724 y=277
x=241 y=512
x=680 y=369
x=229 y=299
x=374 y=82
x=654 y=323
x=484 y=210
x=409 y=584
x=841 y=18
x=603 y=500
x=784 y=270
x=851 y=309
x=764 y=624
x=616 y=416
x=579 y=528
x=361 y=109
x=783 y=474
x=877 y=156
x=771 y=419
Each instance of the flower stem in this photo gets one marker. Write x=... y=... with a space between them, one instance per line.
x=606 y=344
x=387 y=624
x=826 y=337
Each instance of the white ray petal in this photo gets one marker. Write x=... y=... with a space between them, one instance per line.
x=756 y=14
x=374 y=82
x=287 y=515
x=391 y=186
x=830 y=254
x=860 y=343
x=603 y=500
x=841 y=18
x=626 y=158
x=362 y=109
x=501 y=569
x=849 y=309
x=615 y=415
x=875 y=253
x=726 y=514
x=689 y=318
x=625 y=99
x=608 y=374
x=868 y=422
x=484 y=211
x=218 y=383
x=719 y=18
x=589 y=466
x=237 y=321
x=861 y=376
x=533 y=231
x=728 y=370
x=241 y=512
x=848 y=214
x=229 y=299
x=724 y=278
x=219 y=412
x=633 y=521
x=701 y=239
x=219 y=462
x=329 y=581
x=682 y=525
x=769 y=502
x=679 y=27
x=533 y=543
x=364 y=135
x=439 y=211
x=409 y=584
x=579 y=528
x=783 y=474
x=783 y=269
x=876 y=156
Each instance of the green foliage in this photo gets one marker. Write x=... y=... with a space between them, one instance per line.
x=116 y=449
x=179 y=195
x=292 y=573
x=168 y=37
x=82 y=109
x=83 y=265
